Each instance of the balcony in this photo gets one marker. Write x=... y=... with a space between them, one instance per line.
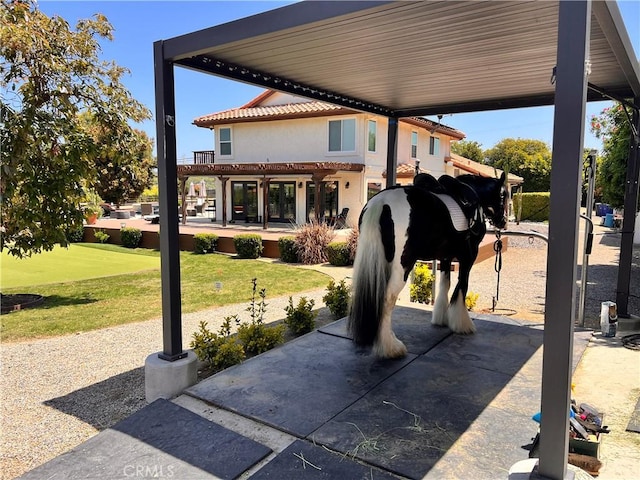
x=204 y=157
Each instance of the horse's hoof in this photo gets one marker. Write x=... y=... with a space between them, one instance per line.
x=395 y=350
x=470 y=330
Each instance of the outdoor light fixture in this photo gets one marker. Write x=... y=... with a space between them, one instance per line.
x=122 y=225
x=299 y=184
x=346 y=185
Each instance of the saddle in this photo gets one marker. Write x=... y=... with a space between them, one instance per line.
x=460 y=192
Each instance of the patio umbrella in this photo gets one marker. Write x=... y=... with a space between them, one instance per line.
x=203 y=188
x=192 y=190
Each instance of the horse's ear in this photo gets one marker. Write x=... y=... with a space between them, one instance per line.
x=503 y=177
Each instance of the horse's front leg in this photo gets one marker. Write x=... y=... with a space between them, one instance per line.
x=387 y=344
x=439 y=314
x=458 y=317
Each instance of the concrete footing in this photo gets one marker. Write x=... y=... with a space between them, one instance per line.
x=164 y=379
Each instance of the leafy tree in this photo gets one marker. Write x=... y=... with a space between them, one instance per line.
x=49 y=76
x=530 y=159
x=123 y=176
x=469 y=149
x=612 y=126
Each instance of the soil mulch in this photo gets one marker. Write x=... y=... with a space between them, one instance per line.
x=19 y=301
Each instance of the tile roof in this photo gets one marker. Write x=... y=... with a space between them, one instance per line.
x=272 y=112
x=480 y=169
x=253 y=111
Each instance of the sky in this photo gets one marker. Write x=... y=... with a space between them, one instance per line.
x=138 y=24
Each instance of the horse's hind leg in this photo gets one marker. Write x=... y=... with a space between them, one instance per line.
x=439 y=314
x=458 y=317
x=387 y=344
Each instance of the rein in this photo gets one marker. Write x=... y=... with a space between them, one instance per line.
x=497 y=247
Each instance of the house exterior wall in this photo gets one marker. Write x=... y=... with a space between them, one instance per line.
x=307 y=140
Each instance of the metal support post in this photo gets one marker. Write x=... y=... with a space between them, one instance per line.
x=392 y=151
x=574 y=25
x=590 y=175
x=168 y=193
x=628 y=221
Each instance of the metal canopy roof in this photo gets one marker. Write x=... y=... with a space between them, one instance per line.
x=410 y=58
x=421 y=58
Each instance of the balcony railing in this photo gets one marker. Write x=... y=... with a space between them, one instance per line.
x=203 y=157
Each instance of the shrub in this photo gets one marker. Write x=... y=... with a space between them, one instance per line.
x=535 y=206
x=337 y=298
x=205 y=242
x=248 y=245
x=471 y=300
x=421 y=287
x=287 y=248
x=338 y=254
x=101 y=236
x=301 y=319
x=256 y=336
x=352 y=244
x=130 y=237
x=311 y=242
x=75 y=234
x=221 y=350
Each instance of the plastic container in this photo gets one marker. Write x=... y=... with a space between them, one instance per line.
x=608 y=319
x=608 y=220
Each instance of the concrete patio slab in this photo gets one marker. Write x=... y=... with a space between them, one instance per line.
x=300 y=386
x=163 y=440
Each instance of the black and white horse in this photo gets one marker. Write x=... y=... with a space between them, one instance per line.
x=440 y=219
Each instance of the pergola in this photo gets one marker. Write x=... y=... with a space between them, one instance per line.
x=403 y=58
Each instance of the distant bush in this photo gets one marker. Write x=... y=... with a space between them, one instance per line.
x=75 y=234
x=205 y=242
x=287 y=248
x=421 y=287
x=311 y=242
x=101 y=236
x=352 y=243
x=471 y=300
x=248 y=245
x=301 y=319
x=535 y=206
x=130 y=237
x=337 y=298
x=338 y=254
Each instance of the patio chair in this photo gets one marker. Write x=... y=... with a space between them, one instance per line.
x=340 y=220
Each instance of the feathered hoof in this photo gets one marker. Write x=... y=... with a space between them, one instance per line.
x=391 y=349
x=470 y=330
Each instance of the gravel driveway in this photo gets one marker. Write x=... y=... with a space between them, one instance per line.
x=56 y=393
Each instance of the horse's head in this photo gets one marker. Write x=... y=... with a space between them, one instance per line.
x=495 y=204
x=492 y=196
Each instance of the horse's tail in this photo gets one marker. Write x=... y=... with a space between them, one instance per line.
x=371 y=272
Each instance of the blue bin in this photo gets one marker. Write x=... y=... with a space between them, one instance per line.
x=608 y=220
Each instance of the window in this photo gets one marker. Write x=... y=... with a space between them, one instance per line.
x=434 y=146
x=342 y=135
x=414 y=144
x=225 y=140
x=371 y=139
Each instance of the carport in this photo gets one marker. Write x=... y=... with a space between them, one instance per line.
x=400 y=59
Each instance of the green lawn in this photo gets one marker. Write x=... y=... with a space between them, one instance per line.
x=91 y=303
x=78 y=262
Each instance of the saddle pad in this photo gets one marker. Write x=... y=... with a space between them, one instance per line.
x=460 y=222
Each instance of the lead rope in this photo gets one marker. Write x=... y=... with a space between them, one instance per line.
x=497 y=247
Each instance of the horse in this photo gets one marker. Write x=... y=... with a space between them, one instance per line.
x=442 y=219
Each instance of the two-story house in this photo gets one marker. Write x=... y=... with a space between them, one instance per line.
x=282 y=158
